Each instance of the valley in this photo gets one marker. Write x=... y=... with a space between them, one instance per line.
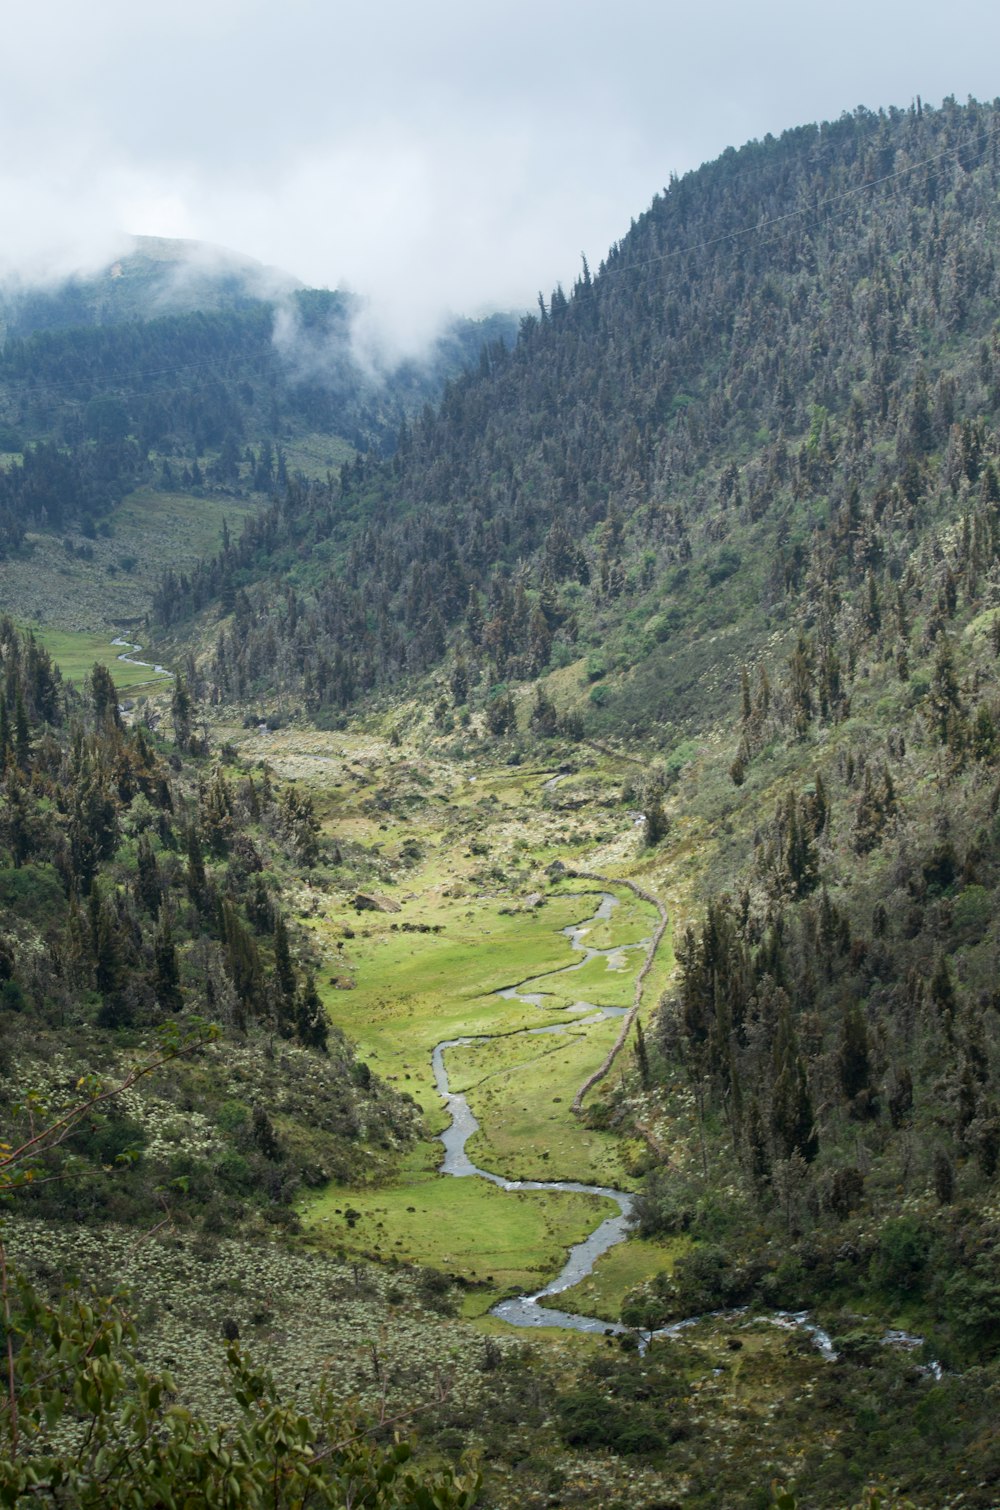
x=642 y=682
x=386 y=1283
x=466 y=939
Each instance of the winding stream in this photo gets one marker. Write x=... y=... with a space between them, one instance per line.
x=527 y=1310
x=126 y=656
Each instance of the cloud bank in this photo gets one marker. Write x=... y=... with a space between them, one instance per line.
x=440 y=157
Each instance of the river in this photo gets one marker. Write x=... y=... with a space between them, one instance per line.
x=528 y=1310
x=129 y=659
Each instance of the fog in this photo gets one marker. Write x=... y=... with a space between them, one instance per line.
x=440 y=158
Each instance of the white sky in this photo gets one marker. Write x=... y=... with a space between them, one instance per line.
x=435 y=155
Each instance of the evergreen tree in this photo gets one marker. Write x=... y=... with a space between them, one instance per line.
x=311 y=1025
x=793 y=1125
x=166 y=972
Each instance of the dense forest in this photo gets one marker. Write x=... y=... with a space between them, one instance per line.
x=141 y=886
x=789 y=360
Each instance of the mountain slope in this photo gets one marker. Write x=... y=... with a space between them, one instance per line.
x=675 y=449
x=153 y=275
x=178 y=374
x=735 y=503
x=738 y=496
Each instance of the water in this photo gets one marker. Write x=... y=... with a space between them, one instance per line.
x=129 y=659
x=527 y=1310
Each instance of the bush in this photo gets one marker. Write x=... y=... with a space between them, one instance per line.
x=74 y=1363
x=703 y=1280
x=901 y=1257
x=587 y=1417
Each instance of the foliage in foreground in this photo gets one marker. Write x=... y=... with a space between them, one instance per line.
x=84 y=1423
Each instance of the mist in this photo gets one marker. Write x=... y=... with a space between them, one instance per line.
x=438 y=160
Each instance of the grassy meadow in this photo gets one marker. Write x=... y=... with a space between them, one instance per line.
x=76 y=653
x=104 y=582
x=452 y=855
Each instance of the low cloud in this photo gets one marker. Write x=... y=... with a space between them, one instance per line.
x=438 y=158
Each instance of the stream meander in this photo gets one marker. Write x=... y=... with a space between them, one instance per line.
x=527 y=1310
x=127 y=647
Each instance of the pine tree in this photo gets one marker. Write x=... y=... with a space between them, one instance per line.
x=657 y=824
x=196 y=878
x=22 y=733
x=283 y=972
x=793 y=1126
x=642 y=1055
x=166 y=972
x=181 y=713
x=148 y=885
x=853 y=1055
x=311 y=1026
x=104 y=698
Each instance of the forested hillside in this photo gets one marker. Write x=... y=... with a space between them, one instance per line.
x=788 y=359
x=735 y=498
x=696 y=586
x=142 y=887
x=98 y=397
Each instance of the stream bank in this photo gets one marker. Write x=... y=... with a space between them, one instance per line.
x=527 y=1310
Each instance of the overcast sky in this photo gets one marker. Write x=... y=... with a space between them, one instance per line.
x=436 y=155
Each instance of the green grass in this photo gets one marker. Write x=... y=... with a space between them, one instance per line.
x=620 y=1270
x=413 y=990
x=76 y=653
x=478 y=849
x=602 y=982
x=317 y=454
x=108 y=581
x=521 y=1091
x=176 y=529
x=504 y=1239
x=631 y=921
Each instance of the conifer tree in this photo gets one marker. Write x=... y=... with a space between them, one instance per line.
x=792 y=1120
x=166 y=972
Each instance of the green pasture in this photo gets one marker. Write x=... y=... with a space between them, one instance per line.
x=602 y=982
x=177 y=529
x=482 y=845
x=415 y=989
x=521 y=1090
x=506 y=1239
x=504 y=787
x=618 y=1271
x=630 y=922
x=105 y=580
x=316 y=454
x=76 y=653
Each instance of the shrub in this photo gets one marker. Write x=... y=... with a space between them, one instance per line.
x=901 y=1257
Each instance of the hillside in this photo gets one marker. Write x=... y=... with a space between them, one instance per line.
x=665 y=462
x=736 y=496
x=180 y=374
x=697 y=588
x=151 y=275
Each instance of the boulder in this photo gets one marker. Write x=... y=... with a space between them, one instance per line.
x=367 y=901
